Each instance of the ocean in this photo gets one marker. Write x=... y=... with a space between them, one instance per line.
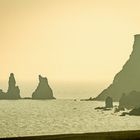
x=61 y=116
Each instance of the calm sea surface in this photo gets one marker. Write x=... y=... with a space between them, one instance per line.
x=33 y=117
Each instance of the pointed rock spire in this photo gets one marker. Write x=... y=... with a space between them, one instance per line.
x=43 y=90
x=13 y=90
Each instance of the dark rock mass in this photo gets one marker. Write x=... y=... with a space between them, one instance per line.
x=43 y=90
x=131 y=100
x=135 y=111
x=108 y=105
x=13 y=90
x=2 y=94
x=128 y=79
x=109 y=102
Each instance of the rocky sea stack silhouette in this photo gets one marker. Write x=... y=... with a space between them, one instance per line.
x=43 y=90
x=128 y=79
x=109 y=102
x=13 y=90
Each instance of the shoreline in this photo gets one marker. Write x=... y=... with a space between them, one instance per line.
x=114 y=135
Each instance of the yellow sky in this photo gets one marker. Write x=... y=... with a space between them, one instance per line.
x=66 y=40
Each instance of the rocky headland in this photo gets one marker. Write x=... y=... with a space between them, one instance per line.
x=128 y=79
x=131 y=100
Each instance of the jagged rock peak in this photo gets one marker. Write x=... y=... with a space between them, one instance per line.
x=43 y=90
x=12 y=81
x=128 y=79
x=43 y=79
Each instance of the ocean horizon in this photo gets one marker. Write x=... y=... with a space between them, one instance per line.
x=62 y=90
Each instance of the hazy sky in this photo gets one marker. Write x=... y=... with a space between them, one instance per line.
x=66 y=40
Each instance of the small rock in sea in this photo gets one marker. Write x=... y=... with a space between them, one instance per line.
x=99 y=108
x=124 y=113
x=102 y=108
x=118 y=109
x=109 y=102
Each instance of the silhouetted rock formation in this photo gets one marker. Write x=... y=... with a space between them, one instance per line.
x=135 y=112
x=43 y=90
x=102 y=108
x=109 y=102
x=122 y=102
x=117 y=109
x=2 y=94
x=132 y=100
x=128 y=79
x=13 y=90
x=90 y=99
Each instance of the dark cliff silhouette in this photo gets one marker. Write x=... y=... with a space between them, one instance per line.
x=13 y=91
x=131 y=100
x=43 y=90
x=128 y=79
x=135 y=112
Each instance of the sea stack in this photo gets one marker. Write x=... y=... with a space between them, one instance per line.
x=128 y=79
x=13 y=90
x=109 y=102
x=43 y=90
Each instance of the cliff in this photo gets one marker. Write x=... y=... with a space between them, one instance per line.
x=131 y=100
x=43 y=90
x=128 y=79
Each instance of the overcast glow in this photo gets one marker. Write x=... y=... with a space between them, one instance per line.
x=66 y=40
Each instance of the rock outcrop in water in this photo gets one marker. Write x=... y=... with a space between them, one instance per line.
x=43 y=90
x=2 y=94
x=135 y=111
x=128 y=79
x=109 y=102
x=13 y=90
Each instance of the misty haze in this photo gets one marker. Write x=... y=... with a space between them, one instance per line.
x=69 y=67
